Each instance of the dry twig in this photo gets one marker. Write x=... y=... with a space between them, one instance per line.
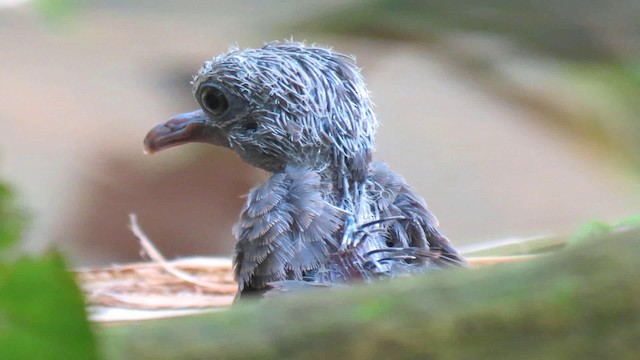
x=156 y=256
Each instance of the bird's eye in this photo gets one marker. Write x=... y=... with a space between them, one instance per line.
x=214 y=101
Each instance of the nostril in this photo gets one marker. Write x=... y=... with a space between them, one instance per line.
x=251 y=126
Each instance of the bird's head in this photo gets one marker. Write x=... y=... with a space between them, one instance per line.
x=280 y=104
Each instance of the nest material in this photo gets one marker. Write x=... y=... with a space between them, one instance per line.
x=161 y=288
x=149 y=290
x=139 y=291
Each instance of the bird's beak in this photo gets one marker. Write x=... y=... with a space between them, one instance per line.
x=181 y=129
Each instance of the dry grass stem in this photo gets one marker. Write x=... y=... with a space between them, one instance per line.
x=169 y=288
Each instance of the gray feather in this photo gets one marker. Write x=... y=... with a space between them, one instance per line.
x=327 y=214
x=276 y=242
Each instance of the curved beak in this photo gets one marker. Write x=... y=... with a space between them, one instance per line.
x=182 y=129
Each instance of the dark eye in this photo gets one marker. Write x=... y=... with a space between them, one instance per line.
x=214 y=101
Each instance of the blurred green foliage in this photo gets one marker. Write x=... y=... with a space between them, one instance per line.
x=11 y=220
x=612 y=91
x=56 y=12
x=597 y=44
x=42 y=313
x=568 y=29
x=599 y=229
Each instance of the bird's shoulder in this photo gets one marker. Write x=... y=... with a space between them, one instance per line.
x=391 y=192
x=417 y=227
x=285 y=228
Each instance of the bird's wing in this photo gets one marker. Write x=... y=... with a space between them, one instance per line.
x=285 y=229
x=417 y=227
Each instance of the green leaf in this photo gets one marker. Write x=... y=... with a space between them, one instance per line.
x=42 y=314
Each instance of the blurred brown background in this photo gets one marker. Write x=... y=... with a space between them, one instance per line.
x=512 y=118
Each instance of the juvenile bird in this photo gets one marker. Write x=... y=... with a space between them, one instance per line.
x=328 y=214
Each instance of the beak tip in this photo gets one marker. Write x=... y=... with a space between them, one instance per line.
x=180 y=129
x=147 y=147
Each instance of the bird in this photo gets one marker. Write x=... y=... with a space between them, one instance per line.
x=328 y=214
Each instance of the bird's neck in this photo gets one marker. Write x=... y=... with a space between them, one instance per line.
x=347 y=175
x=347 y=184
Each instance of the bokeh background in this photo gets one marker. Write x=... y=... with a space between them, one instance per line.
x=513 y=118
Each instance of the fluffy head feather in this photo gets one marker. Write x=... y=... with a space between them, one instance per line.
x=298 y=104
